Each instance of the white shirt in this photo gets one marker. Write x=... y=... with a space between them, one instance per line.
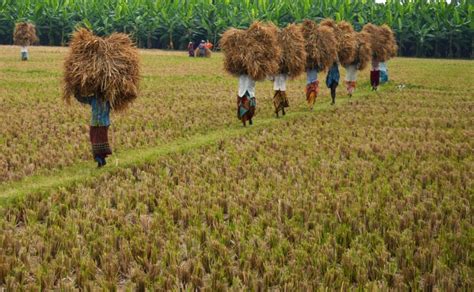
x=24 y=49
x=383 y=66
x=279 y=82
x=246 y=84
x=351 y=73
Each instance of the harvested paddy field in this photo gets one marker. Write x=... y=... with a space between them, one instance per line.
x=375 y=192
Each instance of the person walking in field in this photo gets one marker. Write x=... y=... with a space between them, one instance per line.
x=375 y=75
x=332 y=81
x=98 y=131
x=351 y=78
x=280 y=100
x=383 y=72
x=246 y=101
x=312 y=87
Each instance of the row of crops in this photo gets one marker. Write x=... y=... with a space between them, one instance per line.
x=424 y=28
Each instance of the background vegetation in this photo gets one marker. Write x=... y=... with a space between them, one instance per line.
x=424 y=28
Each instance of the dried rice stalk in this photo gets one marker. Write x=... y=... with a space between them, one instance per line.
x=382 y=41
x=254 y=52
x=293 y=54
x=363 y=54
x=262 y=53
x=347 y=43
x=233 y=43
x=320 y=45
x=25 y=34
x=105 y=66
x=345 y=38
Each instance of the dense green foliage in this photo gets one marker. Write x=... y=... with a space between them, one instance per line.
x=424 y=28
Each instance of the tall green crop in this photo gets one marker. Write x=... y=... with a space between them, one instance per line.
x=424 y=28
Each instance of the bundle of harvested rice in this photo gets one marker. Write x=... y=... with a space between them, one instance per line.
x=105 y=66
x=382 y=41
x=320 y=45
x=308 y=29
x=391 y=42
x=363 y=54
x=262 y=53
x=346 y=39
x=25 y=34
x=233 y=43
x=254 y=52
x=293 y=54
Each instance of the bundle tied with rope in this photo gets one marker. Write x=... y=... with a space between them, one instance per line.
x=108 y=67
x=25 y=34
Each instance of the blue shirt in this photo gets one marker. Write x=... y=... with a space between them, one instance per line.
x=333 y=75
x=100 y=110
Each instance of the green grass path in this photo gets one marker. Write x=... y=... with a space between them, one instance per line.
x=85 y=172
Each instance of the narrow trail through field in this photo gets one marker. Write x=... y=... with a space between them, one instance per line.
x=85 y=172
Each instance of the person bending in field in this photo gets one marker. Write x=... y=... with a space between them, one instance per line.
x=280 y=100
x=202 y=49
x=375 y=75
x=99 y=127
x=332 y=81
x=246 y=101
x=312 y=86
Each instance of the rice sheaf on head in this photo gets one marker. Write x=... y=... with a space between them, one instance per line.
x=363 y=54
x=320 y=45
x=107 y=66
x=293 y=54
x=382 y=41
x=25 y=34
x=254 y=51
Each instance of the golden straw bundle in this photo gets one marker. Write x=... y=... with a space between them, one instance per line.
x=293 y=54
x=382 y=41
x=320 y=45
x=25 y=34
x=346 y=38
x=254 y=52
x=363 y=54
x=107 y=66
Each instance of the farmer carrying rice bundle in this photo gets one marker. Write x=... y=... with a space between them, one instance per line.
x=346 y=49
x=384 y=47
x=24 y=36
x=292 y=64
x=251 y=55
x=321 y=50
x=104 y=73
x=363 y=56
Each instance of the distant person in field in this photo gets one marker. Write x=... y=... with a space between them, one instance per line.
x=209 y=45
x=202 y=49
x=99 y=127
x=375 y=75
x=246 y=101
x=191 y=49
x=332 y=81
x=24 y=53
x=383 y=72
